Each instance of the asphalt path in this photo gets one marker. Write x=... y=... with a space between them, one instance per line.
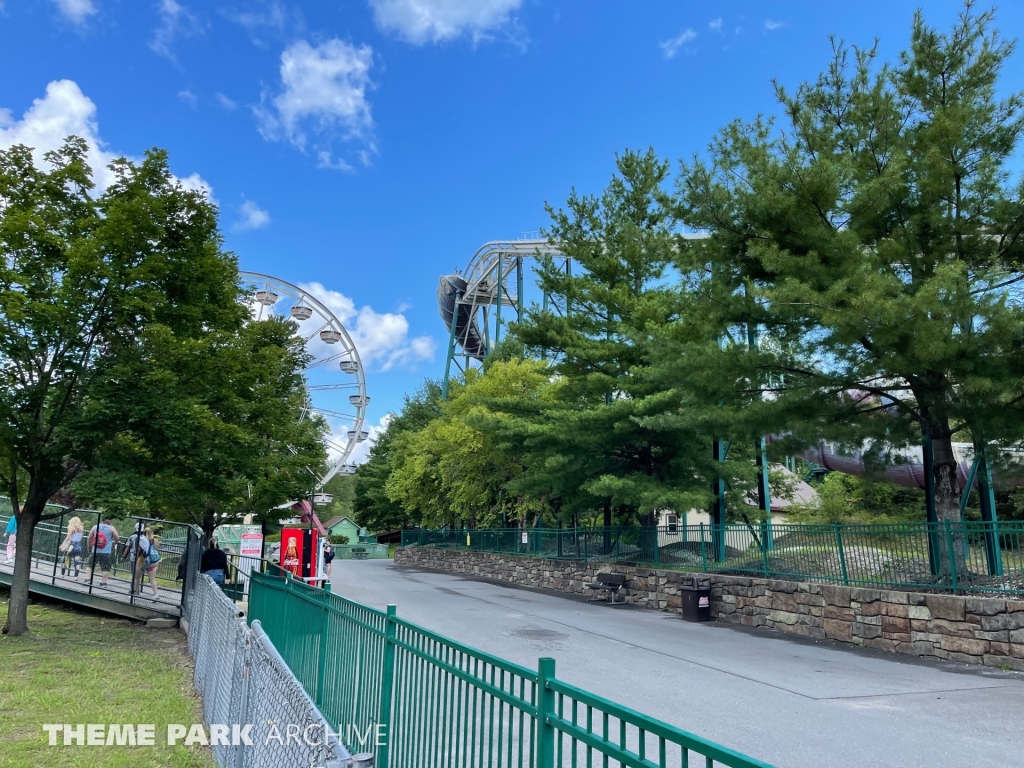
x=789 y=701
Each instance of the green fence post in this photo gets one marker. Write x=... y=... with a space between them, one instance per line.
x=325 y=599
x=545 y=712
x=387 y=681
x=284 y=615
x=764 y=546
x=952 y=553
x=703 y=551
x=842 y=553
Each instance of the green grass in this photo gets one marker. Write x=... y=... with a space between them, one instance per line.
x=80 y=667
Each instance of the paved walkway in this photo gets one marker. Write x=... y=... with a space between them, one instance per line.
x=793 y=703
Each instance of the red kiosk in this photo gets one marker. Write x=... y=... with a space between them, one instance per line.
x=300 y=550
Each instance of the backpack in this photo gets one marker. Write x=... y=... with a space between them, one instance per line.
x=153 y=557
x=101 y=539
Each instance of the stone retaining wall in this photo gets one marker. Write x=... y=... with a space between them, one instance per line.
x=972 y=630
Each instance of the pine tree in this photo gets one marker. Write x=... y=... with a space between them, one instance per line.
x=874 y=242
x=601 y=444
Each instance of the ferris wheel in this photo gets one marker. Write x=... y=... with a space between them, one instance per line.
x=334 y=376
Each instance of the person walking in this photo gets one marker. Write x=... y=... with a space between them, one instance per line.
x=214 y=563
x=72 y=547
x=328 y=557
x=138 y=554
x=147 y=559
x=12 y=537
x=102 y=538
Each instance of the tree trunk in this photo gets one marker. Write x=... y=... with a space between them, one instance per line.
x=17 y=608
x=947 y=502
x=209 y=525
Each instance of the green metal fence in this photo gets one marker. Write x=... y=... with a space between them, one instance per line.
x=961 y=557
x=440 y=703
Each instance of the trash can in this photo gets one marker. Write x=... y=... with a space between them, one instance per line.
x=696 y=601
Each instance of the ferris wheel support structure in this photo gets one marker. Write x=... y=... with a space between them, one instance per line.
x=335 y=379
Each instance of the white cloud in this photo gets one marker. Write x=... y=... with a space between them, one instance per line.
x=361 y=452
x=771 y=26
x=188 y=97
x=324 y=92
x=196 y=183
x=435 y=21
x=76 y=11
x=253 y=217
x=174 y=20
x=66 y=111
x=275 y=16
x=324 y=160
x=225 y=102
x=381 y=338
x=715 y=25
x=671 y=47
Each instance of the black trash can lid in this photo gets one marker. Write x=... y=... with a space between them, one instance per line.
x=696 y=586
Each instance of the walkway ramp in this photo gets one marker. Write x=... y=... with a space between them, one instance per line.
x=53 y=574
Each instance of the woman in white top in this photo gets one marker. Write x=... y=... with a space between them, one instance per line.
x=72 y=546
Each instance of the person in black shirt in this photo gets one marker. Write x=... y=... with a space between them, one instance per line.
x=214 y=562
x=328 y=556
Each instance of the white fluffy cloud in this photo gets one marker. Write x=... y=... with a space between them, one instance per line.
x=323 y=92
x=435 y=21
x=253 y=217
x=361 y=452
x=671 y=47
x=175 y=20
x=76 y=11
x=65 y=111
x=381 y=338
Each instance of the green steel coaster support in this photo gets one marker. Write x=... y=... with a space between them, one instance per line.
x=451 y=353
x=982 y=473
x=719 y=450
x=497 y=312
x=544 y=308
x=519 y=288
x=764 y=498
x=486 y=317
x=988 y=516
x=972 y=476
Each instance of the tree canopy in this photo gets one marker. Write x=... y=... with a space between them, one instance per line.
x=129 y=370
x=857 y=280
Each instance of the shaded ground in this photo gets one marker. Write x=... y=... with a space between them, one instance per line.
x=793 y=703
x=81 y=667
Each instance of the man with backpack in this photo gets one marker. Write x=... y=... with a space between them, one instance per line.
x=101 y=541
x=136 y=549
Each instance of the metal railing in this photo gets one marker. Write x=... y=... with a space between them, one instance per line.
x=426 y=700
x=962 y=557
x=118 y=573
x=244 y=681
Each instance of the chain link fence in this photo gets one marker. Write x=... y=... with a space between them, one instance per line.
x=262 y=710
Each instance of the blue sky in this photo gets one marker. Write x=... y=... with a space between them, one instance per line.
x=371 y=145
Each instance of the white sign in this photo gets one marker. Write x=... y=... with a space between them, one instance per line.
x=526 y=537
x=251 y=545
